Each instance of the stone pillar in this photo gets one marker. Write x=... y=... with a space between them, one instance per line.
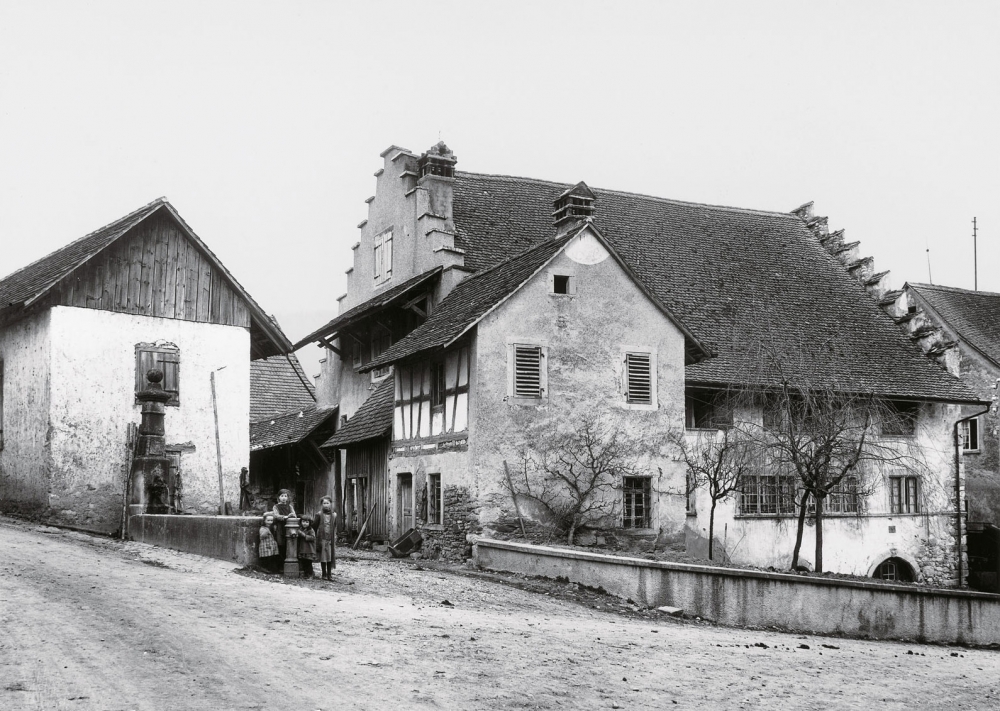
x=292 y=547
x=150 y=468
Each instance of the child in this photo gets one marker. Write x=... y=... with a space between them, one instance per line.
x=325 y=524
x=268 y=550
x=282 y=511
x=307 y=548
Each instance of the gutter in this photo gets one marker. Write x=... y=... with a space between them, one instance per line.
x=958 y=485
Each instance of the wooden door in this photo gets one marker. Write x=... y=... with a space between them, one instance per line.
x=405 y=503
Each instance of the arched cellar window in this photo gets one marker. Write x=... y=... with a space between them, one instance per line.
x=894 y=569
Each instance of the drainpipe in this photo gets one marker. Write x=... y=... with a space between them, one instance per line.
x=958 y=486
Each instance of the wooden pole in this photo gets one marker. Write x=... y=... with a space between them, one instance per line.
x=218 y=445
x=363 y=527
x=513 y=496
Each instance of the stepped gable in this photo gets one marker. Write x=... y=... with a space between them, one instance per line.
x=973 y=315
x=740 y=279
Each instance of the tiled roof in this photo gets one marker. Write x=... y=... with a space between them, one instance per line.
x=363 y=310
x=739 y=279
x=278 y=384
x=289 y=428
x=973 y=315
x=372 y=419
x=31 y=281
x=469 y=301
x=38 y=276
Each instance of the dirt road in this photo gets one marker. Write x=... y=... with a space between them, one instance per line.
x=96 y=624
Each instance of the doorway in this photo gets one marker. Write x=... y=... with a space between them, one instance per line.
x=405 y=490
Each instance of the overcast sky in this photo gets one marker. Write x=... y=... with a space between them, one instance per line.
x=263 y=122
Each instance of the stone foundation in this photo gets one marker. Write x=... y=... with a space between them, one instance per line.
x=461 y=519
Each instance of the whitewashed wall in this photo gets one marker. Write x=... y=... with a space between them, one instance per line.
x=93 y=400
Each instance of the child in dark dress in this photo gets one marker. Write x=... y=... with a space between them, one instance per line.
x=268 y=549
x=325 y=525
x=307 y=548
x=282 y=512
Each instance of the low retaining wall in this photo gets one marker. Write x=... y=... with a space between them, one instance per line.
x=750 y=598
x=231 y=538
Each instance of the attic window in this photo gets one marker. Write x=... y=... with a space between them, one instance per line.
x=563 y=284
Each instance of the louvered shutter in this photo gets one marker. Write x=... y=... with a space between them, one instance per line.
x=638 y=379
x=527 y=371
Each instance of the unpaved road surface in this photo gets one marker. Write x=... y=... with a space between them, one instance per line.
x=89 y=623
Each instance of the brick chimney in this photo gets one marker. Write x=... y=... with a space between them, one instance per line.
x=573 y=206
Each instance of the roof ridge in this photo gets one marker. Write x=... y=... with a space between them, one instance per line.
x=673 y=201
x=158 y=201
x=954 y=289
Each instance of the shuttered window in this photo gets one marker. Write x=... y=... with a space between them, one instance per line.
x=528 y=373
x=383 y=257
x=163 y=358
x=638 y=379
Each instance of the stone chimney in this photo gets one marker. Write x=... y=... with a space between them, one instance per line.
x=573 y=206
x=435 y=193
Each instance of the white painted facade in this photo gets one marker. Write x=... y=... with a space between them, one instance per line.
x=70 y=373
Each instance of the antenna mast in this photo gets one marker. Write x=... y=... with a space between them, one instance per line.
x=930 y=279
x=975 y=258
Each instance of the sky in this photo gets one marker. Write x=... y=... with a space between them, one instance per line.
x=262 y=122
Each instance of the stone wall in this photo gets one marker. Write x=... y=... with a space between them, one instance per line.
x=461 y=519
x=232 y=538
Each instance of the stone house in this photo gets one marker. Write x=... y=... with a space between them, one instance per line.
x=960 y=328
x=485 y=313
x=80 y=328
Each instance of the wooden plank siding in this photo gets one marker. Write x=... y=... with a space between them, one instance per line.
x=414 y=416
x=155 y=271
x=369 y=460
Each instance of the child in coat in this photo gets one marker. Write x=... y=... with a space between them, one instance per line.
x=268 y=548
x=325 y=525
x=282 y=511
x=307 y=548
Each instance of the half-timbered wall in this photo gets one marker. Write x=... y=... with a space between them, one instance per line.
x=424 y=411
x=154 y=271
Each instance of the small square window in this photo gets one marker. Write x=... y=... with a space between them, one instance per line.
x=562 y=283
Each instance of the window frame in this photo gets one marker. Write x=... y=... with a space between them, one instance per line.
x=970 y=432
x=435 y=499
x=570 y=278
x=645 y=491
x=171 y=377
x=904 y=494
x=379 y=340
x=382 y=257
x=543 y=381
x=902 y=418
x=721 y=417
x=439 y=384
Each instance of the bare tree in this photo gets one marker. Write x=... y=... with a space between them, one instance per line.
x=718 y=461
x=576 y=477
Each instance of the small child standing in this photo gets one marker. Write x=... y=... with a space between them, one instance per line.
x=283 y=510
x=307 y=548
x=325 y=523
x=268 y=549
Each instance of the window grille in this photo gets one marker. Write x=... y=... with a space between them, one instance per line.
x=528 y=371
x=636 y=501
x=639 y=379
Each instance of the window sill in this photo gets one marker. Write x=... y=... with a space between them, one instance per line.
x=972 y=451
x=513 y=400
x=692 y=514
x=638 y=406
x=638 y=531
x=439 y=527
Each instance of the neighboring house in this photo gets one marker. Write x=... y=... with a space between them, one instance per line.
x=286 y=428
x=961 y=328
x=80 y=328
x=484 y=312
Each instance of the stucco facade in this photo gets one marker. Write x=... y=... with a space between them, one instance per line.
x=84 y=365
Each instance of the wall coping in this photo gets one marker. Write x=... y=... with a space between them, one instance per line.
x=250 y=520
x=734 y=572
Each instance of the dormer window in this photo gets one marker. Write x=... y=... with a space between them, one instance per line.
x=383 y=257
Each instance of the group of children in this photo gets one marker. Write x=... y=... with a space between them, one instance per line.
x=317 y=537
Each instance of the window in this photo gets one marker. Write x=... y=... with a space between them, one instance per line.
x=843 y=498
x=706 y=409
x=1 y=405
x=166 y=358
x=903 y=493
x=528 y=378
x=381 y=339
x=562 y=284
x=894 y=569
x=638 y=379
x=356 y=353
x=635 y=508
x=770 y=493
x=435 y=504
x=969 y=431
x=900 y=418
x=438 y=384
x=383 y=257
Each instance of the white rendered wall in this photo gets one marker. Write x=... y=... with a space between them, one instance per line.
x=93 y=400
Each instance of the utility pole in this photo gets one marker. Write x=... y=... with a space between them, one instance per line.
x=975 y=258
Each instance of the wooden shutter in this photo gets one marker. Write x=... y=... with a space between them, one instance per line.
x=170 y=363
x=639 y=381
x=527 y=371
x=145 y=360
